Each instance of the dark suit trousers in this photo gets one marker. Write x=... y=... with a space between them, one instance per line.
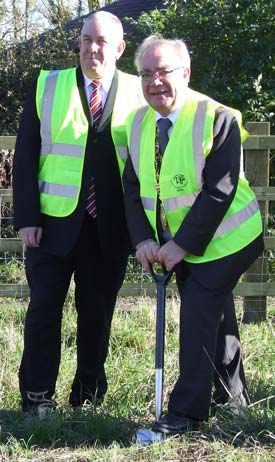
x=209 y=336
x=97 y=281
x=201 y=314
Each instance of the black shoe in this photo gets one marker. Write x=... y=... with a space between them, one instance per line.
x=38 y=405
x=171 y=424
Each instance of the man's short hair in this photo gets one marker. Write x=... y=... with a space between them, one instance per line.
x=105 y=16
x=154 y=41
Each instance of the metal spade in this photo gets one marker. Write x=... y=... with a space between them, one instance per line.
x=144 y=436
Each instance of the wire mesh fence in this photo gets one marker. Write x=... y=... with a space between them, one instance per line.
x=255 y=286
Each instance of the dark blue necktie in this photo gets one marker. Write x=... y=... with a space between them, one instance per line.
x=161 y=143
x=163 y=127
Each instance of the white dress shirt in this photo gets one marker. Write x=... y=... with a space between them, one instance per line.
x=172 y=117
x=106 y=82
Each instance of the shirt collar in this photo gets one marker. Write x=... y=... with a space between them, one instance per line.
x=105 y=81
x=172 y=116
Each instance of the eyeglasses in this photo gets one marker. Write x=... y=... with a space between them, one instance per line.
x=162 y=73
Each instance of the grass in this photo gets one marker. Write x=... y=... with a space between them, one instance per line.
x=107 y=433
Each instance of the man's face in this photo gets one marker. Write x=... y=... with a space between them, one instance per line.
x=100 y=46
x=163 y=90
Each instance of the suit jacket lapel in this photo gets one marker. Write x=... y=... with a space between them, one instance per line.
x=82 y=93
x=109 y=105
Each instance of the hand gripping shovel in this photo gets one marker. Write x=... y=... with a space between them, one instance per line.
x=148 y=436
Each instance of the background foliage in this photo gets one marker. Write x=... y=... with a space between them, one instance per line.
x=20 y=65
x=232 y=45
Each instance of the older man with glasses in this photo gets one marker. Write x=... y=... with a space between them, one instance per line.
x=189 y=208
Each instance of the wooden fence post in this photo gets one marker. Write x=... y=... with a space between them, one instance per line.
x=257 y=173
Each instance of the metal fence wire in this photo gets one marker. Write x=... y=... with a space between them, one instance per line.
x=255 y=286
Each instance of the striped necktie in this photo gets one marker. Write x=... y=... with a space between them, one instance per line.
x=95 y=102
x=95 y=105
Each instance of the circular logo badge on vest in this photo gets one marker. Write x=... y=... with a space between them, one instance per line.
x=179 y=181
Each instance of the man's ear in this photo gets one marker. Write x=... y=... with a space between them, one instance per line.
x=186 y=74
x=120 y=49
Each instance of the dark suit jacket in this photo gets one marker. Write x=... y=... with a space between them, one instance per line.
x=60 y=234
x=220 y=178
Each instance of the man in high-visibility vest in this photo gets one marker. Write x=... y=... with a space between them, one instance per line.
x=189 y=208
x=68 y=207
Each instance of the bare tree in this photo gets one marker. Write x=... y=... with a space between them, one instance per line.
x=27 y=18
x=80 y=8
x=97 y=4
x=15 y=21
x=21 y=19
x=59 y=13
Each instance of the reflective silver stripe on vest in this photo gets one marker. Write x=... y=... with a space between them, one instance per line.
x=47 y=147
x=148 y=203
x=197 y=136
x=47 y=104
x=55 y=189
x=136 y=136
x=123 y=151
x=237 y=218
x=62 y=149
x=178 y=202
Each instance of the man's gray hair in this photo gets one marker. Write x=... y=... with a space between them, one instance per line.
x=153 y=41
x=106 y=16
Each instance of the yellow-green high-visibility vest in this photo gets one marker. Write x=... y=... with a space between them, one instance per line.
x=64 y=130
x=180 y=179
